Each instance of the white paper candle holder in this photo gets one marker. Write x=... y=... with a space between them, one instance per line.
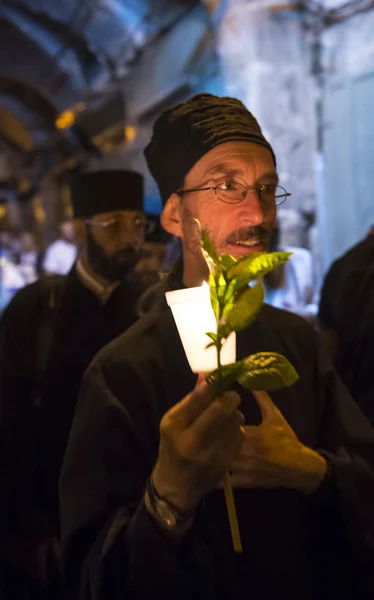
x=194 y=317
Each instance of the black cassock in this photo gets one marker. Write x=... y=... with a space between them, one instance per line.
x=48 y=336
x=347 y=308
x=295 y=547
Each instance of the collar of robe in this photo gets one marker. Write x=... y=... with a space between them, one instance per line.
x=95 y=284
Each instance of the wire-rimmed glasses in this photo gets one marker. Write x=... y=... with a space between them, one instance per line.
x=233 y=192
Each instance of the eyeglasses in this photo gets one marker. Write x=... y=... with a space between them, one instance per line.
x=138 y=225
x=232 y=192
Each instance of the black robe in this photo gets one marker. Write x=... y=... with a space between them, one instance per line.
x=62 y=319
x=294 y=546
x=347 y=309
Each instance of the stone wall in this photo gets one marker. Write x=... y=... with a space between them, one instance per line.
x=265 y=61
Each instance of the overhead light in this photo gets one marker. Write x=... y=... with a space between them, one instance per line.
x=130 y=133
x=24 y=186
x=65 y=120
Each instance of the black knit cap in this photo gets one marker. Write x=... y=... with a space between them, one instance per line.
x=99 y=192
x=184 y=133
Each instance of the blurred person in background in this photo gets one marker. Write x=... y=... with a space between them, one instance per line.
x=61 y=255
x=10 y=280
x=20 y=264
x=291 y=286
x=155 y=268
x=29 y=258
x=346 y=318
x=49 y=333
x=6 y=242
x=153 y=252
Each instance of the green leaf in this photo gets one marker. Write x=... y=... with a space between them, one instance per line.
x=209 y=252
x=218 y=287
x=221 y=286
x=212 y=335
x=214 y=300
x=254 y=266
x=222 y=382
x=229 y=298
x=266 y=371
x=244 y=310
x=216 y=342
x=227 y=261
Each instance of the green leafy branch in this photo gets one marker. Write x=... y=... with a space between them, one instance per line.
x=236 y=305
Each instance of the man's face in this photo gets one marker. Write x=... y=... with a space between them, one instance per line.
x=28 y=242
x=68 y=231
x=113 y=243
x=151 y=261
x=236 y=229
x=6 y=240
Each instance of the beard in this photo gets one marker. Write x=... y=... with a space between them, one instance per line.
x=112 y=268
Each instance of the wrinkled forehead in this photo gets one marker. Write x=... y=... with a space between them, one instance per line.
x=244 y=159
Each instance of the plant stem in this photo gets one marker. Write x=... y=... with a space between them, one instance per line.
x=219 y=365
x=219 y=343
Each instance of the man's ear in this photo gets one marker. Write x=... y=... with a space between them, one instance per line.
x=171 y=217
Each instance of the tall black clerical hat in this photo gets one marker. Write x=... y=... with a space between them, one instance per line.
x=98 y=192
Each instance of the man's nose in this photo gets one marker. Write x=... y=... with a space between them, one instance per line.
x=253 y=210
x=129 y=237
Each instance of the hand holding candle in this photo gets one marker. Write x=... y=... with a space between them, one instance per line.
x=235 y=306
x=200 y=437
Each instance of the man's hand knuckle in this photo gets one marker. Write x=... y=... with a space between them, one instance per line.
x=218 y=409
x=239 y=418
x=166 y=425
x=231 y=399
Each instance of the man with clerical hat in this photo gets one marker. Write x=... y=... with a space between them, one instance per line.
x=142 y=506
x=154 y=252
x=48 y=335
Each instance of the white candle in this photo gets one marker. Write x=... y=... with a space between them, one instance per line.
x=194 y=317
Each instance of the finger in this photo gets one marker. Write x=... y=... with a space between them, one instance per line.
x=245 y=464
x=217 y=414
x=253 y=480
x=200 y=380
x=267 y=406
x=187 y=410
x=226 y=446
x=252 y=431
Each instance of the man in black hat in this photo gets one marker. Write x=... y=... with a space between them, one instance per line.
x=48 y=335
x=153 y=252
x=143 y=515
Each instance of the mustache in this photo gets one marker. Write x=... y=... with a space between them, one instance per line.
x=247 y=234
x=126 y=253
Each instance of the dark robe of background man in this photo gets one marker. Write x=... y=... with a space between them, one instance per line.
x=346 y=316
x=142 y=512
x=48 y=335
